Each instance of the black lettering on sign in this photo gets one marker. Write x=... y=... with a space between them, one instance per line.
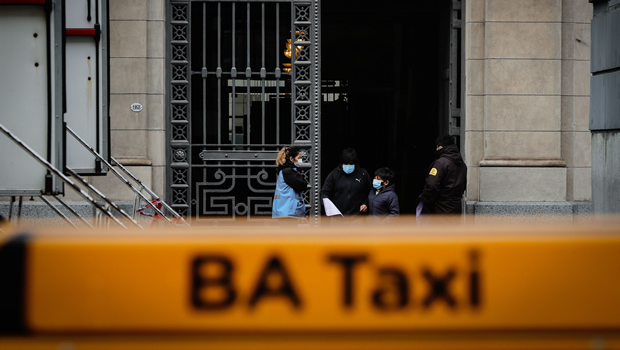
x=439 y=288
x=348 y=262
x=201 y=282
x=474 y=279
x=393 y=294
x=274 y=271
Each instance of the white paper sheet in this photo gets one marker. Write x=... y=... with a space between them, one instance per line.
x=330 y=208
x=418 y=209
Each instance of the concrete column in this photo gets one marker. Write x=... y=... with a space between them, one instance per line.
x=156 y=146
x=576 y=143
x=522 y=153
x=526 y=110
x=475 y=25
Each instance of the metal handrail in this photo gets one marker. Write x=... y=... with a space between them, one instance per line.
x=72 y=211
x=101 y=195
x=147 y=189
x=58 y=173
x=63 y=216
x=115 y=172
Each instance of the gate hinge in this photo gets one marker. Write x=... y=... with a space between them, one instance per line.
x=455 y=121
x=48 y=7
x=49 y=183
x=455 y=130
x=97 y=32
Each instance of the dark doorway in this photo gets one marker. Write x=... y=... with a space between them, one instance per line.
x=383 y=71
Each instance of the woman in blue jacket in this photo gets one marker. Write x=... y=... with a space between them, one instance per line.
x=288 y=200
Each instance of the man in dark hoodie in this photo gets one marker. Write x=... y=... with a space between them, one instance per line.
x=446 y=179
x=347 y=186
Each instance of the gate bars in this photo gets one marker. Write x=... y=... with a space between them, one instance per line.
x=455 y=110
x=183 y=151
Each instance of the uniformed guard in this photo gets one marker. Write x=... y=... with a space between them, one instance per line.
x=446 y=179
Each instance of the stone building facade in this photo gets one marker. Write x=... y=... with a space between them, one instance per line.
x=525 y=135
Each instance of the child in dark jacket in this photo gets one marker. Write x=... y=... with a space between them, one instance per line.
x=382 y=200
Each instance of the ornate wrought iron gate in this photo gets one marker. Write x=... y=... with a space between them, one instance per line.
x=235 y=98
x=455 y=94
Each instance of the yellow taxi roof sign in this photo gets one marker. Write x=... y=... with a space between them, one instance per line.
x=369 y=279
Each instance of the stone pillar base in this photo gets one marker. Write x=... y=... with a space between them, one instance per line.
x=522 y=184
x=531 y=212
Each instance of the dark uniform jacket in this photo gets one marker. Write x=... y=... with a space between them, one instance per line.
x=383 y=203
x=347 y=191
x=292 y=177
x=445 y=182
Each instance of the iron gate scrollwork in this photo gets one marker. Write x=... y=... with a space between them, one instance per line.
x=243 y=81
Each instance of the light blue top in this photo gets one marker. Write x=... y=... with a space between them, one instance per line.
x=287 y=202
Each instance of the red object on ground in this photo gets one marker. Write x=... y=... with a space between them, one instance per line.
x=158 y=204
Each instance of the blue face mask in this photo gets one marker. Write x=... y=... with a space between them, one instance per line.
x=348 y=168
x=376 y=184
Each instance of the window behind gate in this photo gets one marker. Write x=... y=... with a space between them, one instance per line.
x=243 y=82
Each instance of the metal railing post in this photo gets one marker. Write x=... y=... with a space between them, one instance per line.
x=58 y=173
x=122 y=178
x=147 y=189
x=72 y=211
x=101 y=195
x=58 y=211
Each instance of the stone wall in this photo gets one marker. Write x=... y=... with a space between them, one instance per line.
x=527 y=88
x=137 y=75
x=527 y=98
x=576 y=144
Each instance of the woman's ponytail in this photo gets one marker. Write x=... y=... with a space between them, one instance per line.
x=281 y=159
x=285 y=153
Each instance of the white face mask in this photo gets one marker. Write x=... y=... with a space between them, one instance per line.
x=299 y=162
